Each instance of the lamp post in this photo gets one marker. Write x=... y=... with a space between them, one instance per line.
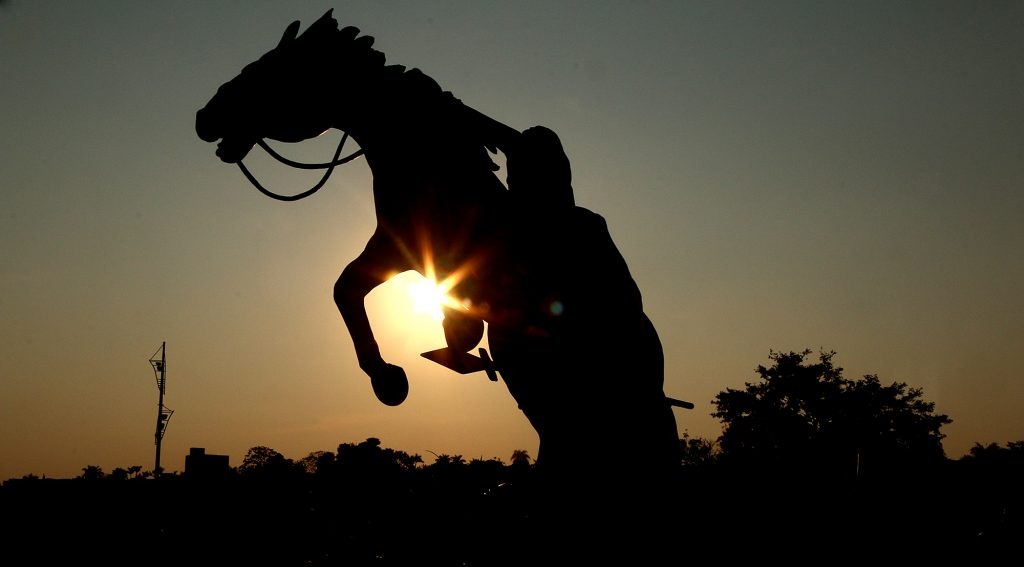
x=163 y=413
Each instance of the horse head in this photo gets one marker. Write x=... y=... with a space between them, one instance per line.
x=291 y=93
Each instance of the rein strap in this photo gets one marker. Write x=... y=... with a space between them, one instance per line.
x=299 y=165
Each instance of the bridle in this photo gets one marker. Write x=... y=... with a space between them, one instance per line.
x=329 y=166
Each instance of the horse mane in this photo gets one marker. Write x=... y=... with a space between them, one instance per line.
x=341 y=55
x=323 y=38
x=356 y=53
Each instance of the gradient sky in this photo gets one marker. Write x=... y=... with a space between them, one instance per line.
x=779 y=176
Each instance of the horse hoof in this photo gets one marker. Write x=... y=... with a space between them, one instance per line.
x=391 y=386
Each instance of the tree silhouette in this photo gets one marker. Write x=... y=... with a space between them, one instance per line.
x=805 y=418
x=317 y=463
x=264 y=463
x=369 y=459
x=121 y=473
x=812 y=462
x=697 y=452
x=92 y=472
x=520 y=457
x=445 y=460
x=991 y=495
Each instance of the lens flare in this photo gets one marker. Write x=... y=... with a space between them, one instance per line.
x=427 y=298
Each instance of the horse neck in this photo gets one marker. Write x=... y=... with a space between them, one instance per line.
x=423 y=156
x=391 y=169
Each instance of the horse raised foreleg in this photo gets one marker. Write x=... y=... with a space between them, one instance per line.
x=358 y=279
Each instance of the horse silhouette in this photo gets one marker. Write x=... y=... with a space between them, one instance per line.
x=564 y=317
x=438 y=201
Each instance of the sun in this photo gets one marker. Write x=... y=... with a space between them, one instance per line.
x=407 y=313
x=428 y=297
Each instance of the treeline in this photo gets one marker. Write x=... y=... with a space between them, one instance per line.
x=811 y=467
x=364 y=504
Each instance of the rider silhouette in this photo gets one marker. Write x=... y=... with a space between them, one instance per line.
x=584 y=363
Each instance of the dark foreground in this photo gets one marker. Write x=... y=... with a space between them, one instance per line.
x=722 y=516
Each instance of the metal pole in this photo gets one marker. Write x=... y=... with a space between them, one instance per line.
x=160 y=408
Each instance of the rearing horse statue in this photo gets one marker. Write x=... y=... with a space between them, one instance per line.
x=588 y=378
x=437 y=198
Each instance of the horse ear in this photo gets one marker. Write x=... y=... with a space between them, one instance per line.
x=325 y=24
x=289 y=33
x=327 y=15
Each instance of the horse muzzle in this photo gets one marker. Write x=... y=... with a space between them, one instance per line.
x=206 y=127
x=231 y=149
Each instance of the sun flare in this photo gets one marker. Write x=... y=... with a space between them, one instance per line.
x=428 y=297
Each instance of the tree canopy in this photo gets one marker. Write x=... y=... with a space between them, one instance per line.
x=262 y=462
x=806 y=416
